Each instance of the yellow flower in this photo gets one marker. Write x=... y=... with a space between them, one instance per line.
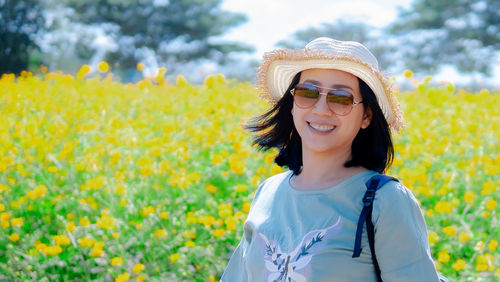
x=269 y=159
x=433 y=237
x=469 y=197
x=84 y=222
x=491 y=204
x=61 y=239
x=122 y=277
x=70 y=227
x=18 y=221
x=116 y=261
x=464 y=236
x=103 y=67
x=211 y=189
x=225 y=210
x=86 y=242
x=14 y=237
x=181 y=81
x=246 y=206
x=138 y=268
x=52 y=250
x=106 y=222
x=140 y=66
x=147 y=211
x=189 y=244
x=2 y=207
x=458 y=265
x=40 y=246
x=174 y=257
x=450 y=230
x=275 y=169
x=408 y=73
x=492 y=245
x=236 y=164
x=115 y=235
x=84 y=71
x=219 y=232
x=96 y=251
x=443 y=256
x=140 y=278
x=231 y=223
x=161 y=233
x=484 y=262
x=488 y=188
x=164 y=215
x=240 y=188
x=52 y=169
x=443 y=207
x=120 y=189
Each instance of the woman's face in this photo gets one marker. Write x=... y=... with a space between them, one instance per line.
x=321 y=130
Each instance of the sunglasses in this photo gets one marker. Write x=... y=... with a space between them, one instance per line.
x=340 y=102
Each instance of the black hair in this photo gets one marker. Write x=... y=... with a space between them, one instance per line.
x=371 y=148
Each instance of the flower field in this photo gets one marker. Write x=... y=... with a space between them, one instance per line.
x=101 y=180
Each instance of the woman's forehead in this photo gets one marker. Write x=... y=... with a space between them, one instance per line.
x=327 y=77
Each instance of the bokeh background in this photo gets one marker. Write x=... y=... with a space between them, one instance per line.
x=122 y=156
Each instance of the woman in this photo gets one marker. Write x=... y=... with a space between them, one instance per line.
x=331 y=121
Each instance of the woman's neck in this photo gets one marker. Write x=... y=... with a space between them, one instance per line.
x=321 y=170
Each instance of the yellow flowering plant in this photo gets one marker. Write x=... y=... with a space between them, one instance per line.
x=96 y=175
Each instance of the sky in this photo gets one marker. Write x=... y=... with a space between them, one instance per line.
x=270 y=21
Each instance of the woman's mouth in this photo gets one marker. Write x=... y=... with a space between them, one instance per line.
x=321 y=127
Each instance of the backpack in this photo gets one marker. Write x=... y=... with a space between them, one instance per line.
x=372 y=185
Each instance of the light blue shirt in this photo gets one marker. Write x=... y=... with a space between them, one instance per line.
x=308 y=235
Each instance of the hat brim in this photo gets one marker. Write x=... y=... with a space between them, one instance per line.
x=280 y=66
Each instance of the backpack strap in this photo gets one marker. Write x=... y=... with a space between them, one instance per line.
x=373 y=184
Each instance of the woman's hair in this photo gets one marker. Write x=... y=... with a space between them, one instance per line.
x=371 y=148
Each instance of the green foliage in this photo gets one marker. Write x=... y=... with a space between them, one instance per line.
x=462 y=33
x=19 y=22
x=175 y=31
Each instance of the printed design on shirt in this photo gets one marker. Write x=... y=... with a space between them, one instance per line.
x=286 y=266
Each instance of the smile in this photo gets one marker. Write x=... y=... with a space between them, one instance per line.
x=322 y=128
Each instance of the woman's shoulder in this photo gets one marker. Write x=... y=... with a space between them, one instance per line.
x=272 y=183
x=394 y=199
x=394 y=191
x=276 y=179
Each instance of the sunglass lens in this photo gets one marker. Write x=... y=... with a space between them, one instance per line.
x=340 y=97
x=340 y=102
x=305 y=95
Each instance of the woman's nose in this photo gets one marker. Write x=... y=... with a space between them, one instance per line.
x=321 y=106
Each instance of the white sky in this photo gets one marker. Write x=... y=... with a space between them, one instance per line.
x=270 y=21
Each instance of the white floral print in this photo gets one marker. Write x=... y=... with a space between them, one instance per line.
x=286 y=266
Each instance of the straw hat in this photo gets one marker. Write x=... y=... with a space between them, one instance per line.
x=280 y=66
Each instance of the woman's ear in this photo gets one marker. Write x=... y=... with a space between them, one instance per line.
x=367 y=118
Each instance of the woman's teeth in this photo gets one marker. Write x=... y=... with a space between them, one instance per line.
x=323 y=128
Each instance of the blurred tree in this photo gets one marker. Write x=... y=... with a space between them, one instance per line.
x=461 y=33
x=370 y=36
x=20 y=21
x=172 y=31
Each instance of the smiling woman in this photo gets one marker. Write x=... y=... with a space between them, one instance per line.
x=331 y=122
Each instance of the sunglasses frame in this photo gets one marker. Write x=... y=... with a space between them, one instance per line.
x=354 y=102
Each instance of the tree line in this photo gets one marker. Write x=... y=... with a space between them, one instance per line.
x=427 y=35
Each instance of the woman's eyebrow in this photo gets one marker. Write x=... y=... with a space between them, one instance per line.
x=335 y=86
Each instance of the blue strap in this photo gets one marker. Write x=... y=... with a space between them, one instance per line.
x=373 y=184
